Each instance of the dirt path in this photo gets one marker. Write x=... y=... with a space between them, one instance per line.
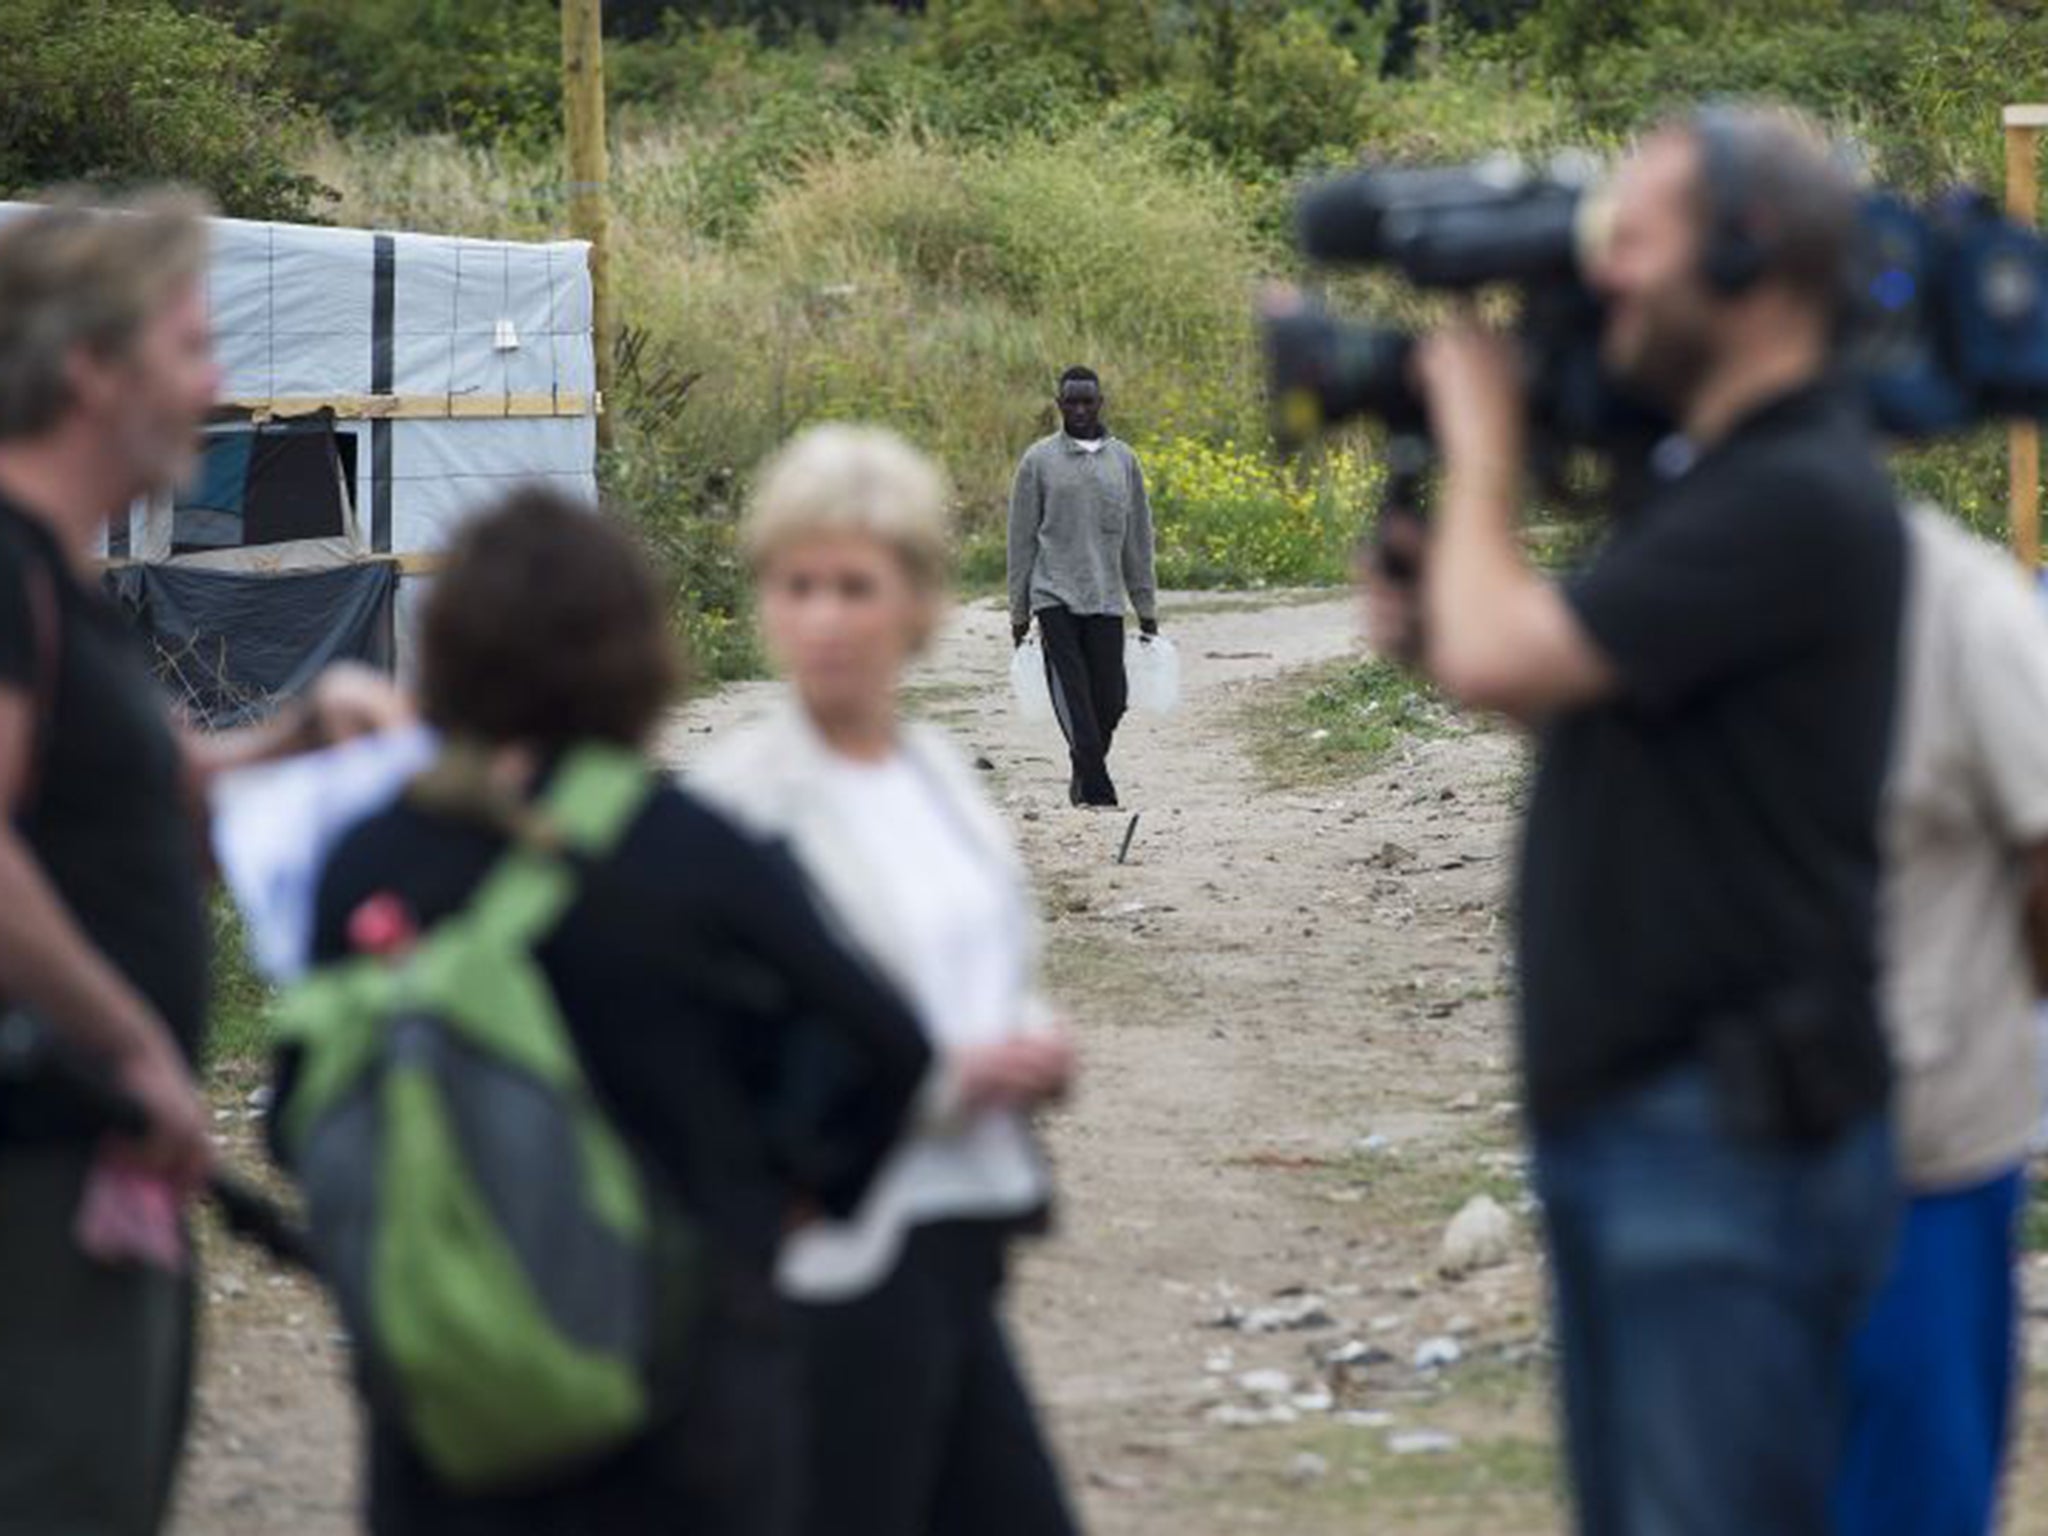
x=1295 y=1033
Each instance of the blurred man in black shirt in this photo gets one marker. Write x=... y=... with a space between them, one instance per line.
x=106 y=375
x=1713 y=696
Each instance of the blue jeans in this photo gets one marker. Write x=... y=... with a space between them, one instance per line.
x=1931 y=1393
x=1707 y=1289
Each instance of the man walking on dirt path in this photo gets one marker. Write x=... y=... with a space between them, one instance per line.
x=1966 y=926
x=106 y=376
x=1080 y=540
x=1706 y=1074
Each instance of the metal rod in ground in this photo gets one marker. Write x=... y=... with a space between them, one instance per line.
x=1130 y=832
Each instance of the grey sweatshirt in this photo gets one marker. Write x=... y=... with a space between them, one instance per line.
x=1080 y=531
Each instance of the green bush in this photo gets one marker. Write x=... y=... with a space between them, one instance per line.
x=1282 y=93
x=1919 y=85
x=1112 y=46
x=118 y=93
x=688 y=519
x=1224 y=516
x=486 y=70
x=1965 y=476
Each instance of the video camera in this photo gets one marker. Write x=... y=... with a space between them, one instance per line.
x=1947 y=321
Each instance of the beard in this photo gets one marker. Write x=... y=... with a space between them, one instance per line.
x=160 y=453
x=1666 y=361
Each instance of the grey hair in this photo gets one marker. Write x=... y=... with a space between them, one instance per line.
x=74 y=277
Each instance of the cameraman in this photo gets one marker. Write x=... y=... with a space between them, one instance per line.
x=1705 y=1072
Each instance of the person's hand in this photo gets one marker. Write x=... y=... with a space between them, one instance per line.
x=1471 y=381
x=1019 y=633
x=1021 y=1072
x=1389 y=575
x=350 y=700
x=178 y=1145
x=1148 y=627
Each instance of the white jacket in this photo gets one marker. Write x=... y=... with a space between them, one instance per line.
x=768 y=777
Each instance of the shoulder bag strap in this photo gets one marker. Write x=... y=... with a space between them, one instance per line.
x=595 y=795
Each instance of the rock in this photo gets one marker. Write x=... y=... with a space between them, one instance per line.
x=1465 y=1103
x=1365 y=1418
x=1266 y=1383
x=1235 y=1416
x=1436 y=1353
x=1318 y=1401
x=1297 y=1314
x=1479 y=1236
x=1115 y=1482
x=1220 y=1362
x=984 y=765
x=1308 y=1467
x=1421 y=1442
x=1393 y=856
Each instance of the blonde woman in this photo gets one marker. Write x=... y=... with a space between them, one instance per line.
x=920 y=1423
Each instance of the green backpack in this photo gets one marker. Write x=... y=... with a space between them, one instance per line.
x=515 y=1290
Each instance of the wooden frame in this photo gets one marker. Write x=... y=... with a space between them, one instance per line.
x=414 y=407
x=2023 y=125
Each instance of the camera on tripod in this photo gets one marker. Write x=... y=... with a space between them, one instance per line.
x=1945 y=325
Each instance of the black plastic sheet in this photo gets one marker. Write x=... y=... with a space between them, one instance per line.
x=229 y=644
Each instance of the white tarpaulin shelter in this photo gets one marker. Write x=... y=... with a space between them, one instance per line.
x=378 y=389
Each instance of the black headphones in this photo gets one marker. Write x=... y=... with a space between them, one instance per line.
x=1733 y=255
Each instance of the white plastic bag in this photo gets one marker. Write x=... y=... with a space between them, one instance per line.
x=274 y=825
x=1028 y=687
x=1153 y=668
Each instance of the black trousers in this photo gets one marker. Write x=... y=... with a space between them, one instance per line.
x=95 y=1365
x=1084 y=664
x=920 y=1423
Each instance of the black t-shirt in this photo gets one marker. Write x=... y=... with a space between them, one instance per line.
x=1703 y=848
x=106 y=816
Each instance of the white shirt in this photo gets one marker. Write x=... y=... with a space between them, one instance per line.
x=1967 y=799
x=966 y=941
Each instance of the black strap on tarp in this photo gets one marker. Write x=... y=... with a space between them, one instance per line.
x=383 y=338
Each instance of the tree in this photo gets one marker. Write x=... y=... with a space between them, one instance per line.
x=490 y=70
x=116 y=93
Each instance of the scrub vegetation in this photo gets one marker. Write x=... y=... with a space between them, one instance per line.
x=1335 y=722
x=919 y=213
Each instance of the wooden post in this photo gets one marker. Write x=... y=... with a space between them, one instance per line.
x=2023 y=127
x=589 y=177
